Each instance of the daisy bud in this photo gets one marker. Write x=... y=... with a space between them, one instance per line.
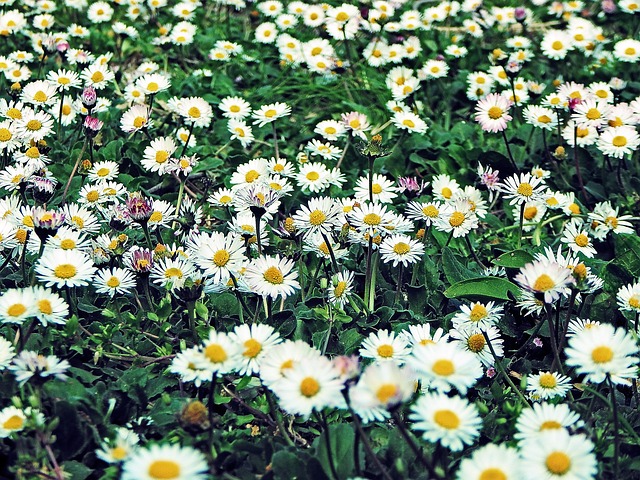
x=139 y=207
x=42 y=188
x=89 y=98
x=62 y=46
x=520 y=14
x=141 y=260
x=15 y=88
x=608 y=6
x=92 y=126
x=580 y=272
x=348 y=366
x=560 y=153
x=85 y=166
x=46 y=222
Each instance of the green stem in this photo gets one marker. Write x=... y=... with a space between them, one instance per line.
x=276 y=414
x=554 y=345
x=327 y=441
x=616 y=437
x=73 y=172
x=503 y=372
x=413 y=445
x=521 y=223
x=334 y=263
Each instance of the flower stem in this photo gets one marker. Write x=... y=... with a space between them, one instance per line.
x=327 y=441
x=554 y=344
x=275 y=141
x=73 y=172
x=334 y=263
x=506 y=142
x=273 y=410
x=503 y=372
x=616 y=437
x=413 y=445
x=399 y=287
x=521 y=224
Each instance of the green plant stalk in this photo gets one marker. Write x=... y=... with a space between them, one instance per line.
x=622 y=419
x=275 y=141
x=372 y=284
x=418 y=452
x=399 y=286
x=554 y=345
x=616 y=437
x=521 y=224
x=191 y=309
x=503 y=372
x=370 y=178
x=258 y=240
x=273 y=410
x=334 y=263
x=327 y=441
x=506 y=142
x=367 y=277
x=73 y=171
x=211 y=402
x=60 y=113
x=180 y=198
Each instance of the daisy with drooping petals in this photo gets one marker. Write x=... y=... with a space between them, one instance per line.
x=165 y=462
x=385 y=346
x=491 y=462
x=272 y=276
x=270 y=113
x=451 y=421
x=556 y=455
x=121 y=447
x=340 y=288
x=603 y=351
x=492 y=113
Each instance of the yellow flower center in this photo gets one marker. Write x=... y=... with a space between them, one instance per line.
x=65 y=271
x=544 y=119
x=16 y=310
x=221 y=257
x=530 y=213
x=113 y=282
x=443 y=367
x=252 y=348
x=173 y=272
x=408 y=123
x=550 y=425
x=270 y=113
x=40 y=96
x=67 y=244
x=558 y=463
x=619 y=141
x=492 y=474
x=376 y=188
x=45 y=307
x=14 y=114
x=138 y=122
x=317 y=218
x=634 y=302
x=385 y=351
x=543 y=283
x=118 y=453
x=430 y=211
x=478 y=312
x=34 y=125
x=64 y=81
x=372 y=219
x=103 y=172
x=274 y=276
x=525 y=189
x=557 y=45
x=342 y=17
x=495 y=113
x=339 y=289
x=593 y=114
x=155 y=217
x=164 y=469
x=548 y=380
x=630 y=51
x=386 y=392
x=582 y=240
x=153 y=87
x=216 y=353
x=476 y=342
x=313 y=176
x=456 y=219
x=309 y=387
x=97 y=77
x=14 y=422
x=194 y=112
x=447 y=419
x=401 y=248
x=5 y=135
x=602 y=354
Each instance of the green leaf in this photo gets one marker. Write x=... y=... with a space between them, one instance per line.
x=484 y=288
x=76 y=470
x=514 y=259
x=342 y=443
x=454 y=270
x=350 y=339
x=288 y=466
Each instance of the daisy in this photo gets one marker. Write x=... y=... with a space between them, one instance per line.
x=162 y=213
x=444 y=365
x=30 y=364
x=281 y=358
x=135 y=119
x=17 y=305
x=188 y=364
x=340 y=288
x=496 y=462
x=38 y=93
x=556 y=44
x=541 y=117
x=546 y=279
x=526 y=188
x=165 y=462
x=474 y=341
x=195 y=111
x=320 y=215
x=168 y=272
x=357 y=123
x=457 y=218
x=158 y=154
x=627 y=50
x=314 y=177
x=602 y=352
x=547 y=385
x=425 y=212
x=421 y=335
x=581 y=136
x=6 y=353
x=34 y=126
x=544 y=417
x=576 y=236
x=12 y=420
x=369 y=218
x=248 y=173
x=618 y=141
x=557 y=454
x=121 y=447
x=492 y=113
x=409 y=121
x=444 y=187
x=591 y=113
x=64 y=268
x=272 y=276
x=241 y=131
x=114 y=281
x=401 y=249
x=325 y=150
x=102 y=171
x=433 y=69
x=256 y=341
x=385 y=346
x=219 y=256
x=234 y=107
x=49 y=306
x=383 y=385
x=605 y=218
x=330 y=130
x=383 y=190
x=451 y=421
x=577 y=325
x=311 y=385
x=220 y=353
x=628 y=298
x=153 y=83
x=270 y=113
x=97 y=76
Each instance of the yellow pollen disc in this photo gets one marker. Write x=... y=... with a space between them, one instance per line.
x=593 y=114
x=492 y=474
x=194 y=112
x=138 y=122
x=103 y=172
x=558 y=463
x=21 y=235
x=582 y=132
x=156 y=217
x=32 y=152
x=67 y=244
x=275 y=186
x=530 y=213
x=602 y=354
x=45 y=307
x=619 y=141
x=387 y=392
x=251 y=176
x=574 y=208
x=113 y=282
x=616 y=122
x=376 y=188
x=446 y=192
x=550 y=425
x=173 y=272
x=118 y=453
x=16 y=310
x=495 y=113
x=286 y=365
x=634 y=302
x=5 y=135
x=478 y=312
x=372 y=219
x=252 y=348
x=630 y=51
x=216 y=353
x=557 y=45
x=40 y=96
x=342 y=16
x=446 y=419
x=316 y=51
x=234 y=108
x=309 y=387
x=544 y=119
x=339 y=289
x=456 y=219
x=97 y=77
x=401 y=248
x=270 y=113
x=443 y=367
x=66 y=109
x=34 y=125
x=525 y=189
x=385 y=351
x=164 y=470
x=46 y=217
x=14 y=422
x=581 y=240
x=273 y=275
x=476 y=342
x=330 y=130
x=548 y=380
x=153 y=87
x=162 y=156
x=355 y=123
x=221 y=257
x=317 y=218
x=64 y=81
x=14 y=114
x=543 y=283
x=65 y=271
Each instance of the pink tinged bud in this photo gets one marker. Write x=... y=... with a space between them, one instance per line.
x=491 y=372
x=93 y=124
x=520 y=14
x=89 y=97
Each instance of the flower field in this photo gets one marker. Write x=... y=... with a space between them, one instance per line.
x=327 y=241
